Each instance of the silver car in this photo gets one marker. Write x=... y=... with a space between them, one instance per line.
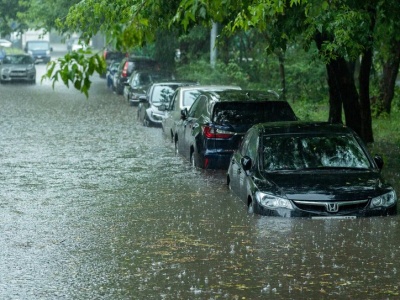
x=18 y=67
x=184 y=98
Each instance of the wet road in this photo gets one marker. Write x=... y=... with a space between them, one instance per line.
x=95 y=206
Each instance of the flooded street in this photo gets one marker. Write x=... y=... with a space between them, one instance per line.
x=95 y=206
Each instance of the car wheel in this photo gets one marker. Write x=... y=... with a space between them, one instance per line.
x=250 y=208
x=193 y=159
x=176 y=148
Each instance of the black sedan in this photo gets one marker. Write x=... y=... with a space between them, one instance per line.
x=316 y=170
x=212 y=129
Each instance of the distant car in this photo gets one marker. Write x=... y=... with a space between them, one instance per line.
x=217 y=121
x=40 y=50
x=314 y=170
x=18 y=67
x=78 y=44
x=183 y=98
x=110 y=57
x=5 y=43
x=158 y=94
x=2 y=54
x=140 y=81
x=126 y=68
x=112 y=68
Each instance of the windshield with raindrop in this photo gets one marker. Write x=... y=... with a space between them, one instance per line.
x=313 y=151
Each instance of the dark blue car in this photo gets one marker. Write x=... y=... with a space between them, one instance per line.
x=212 y=129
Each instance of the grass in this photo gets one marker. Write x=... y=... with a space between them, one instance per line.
x=12 y=50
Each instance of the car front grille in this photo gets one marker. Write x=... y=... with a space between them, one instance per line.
x=332 y=207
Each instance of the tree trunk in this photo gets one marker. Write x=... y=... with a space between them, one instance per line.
x=281 y=58
x=388 y=81
x=365 y=104
x=342 y=91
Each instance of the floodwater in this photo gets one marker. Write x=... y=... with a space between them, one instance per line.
x=95 y=206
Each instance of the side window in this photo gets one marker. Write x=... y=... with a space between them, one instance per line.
x=173 y=101
x=245 y=143
x=253 y=146
x=250 y=145
x=194 y=108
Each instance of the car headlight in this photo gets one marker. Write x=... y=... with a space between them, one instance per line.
x=384 y=200
x=272 y=202
x=30 y=52
x=5 y=70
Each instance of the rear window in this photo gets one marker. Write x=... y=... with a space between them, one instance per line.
x=252 y=112
x=142 y=65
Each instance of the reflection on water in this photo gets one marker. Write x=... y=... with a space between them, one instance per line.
x=95 y=206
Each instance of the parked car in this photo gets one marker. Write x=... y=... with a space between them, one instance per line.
x=111 y=70
x=5 y=43
x=126 y=68
x=40 y=50
x=140 y=81
x=110 y=57
x=316 y=170
x=2 y=54
x=18 y=67
x=217 y=121
x=158 y=94
x=183 y=98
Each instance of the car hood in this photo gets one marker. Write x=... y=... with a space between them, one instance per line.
x=326 y=186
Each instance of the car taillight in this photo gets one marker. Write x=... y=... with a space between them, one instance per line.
x=125 y=70
x=213 y=133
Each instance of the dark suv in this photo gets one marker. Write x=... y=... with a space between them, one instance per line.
x=126 y=68
x=214 y=126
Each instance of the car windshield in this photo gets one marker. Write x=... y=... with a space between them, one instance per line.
x=301 y=152
x=236 y=113
x=162 y=94
x=38 y=45
x=17 y=60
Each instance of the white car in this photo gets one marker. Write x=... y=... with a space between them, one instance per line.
x=5 y=43
x=183 y=98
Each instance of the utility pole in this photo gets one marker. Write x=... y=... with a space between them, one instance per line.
x=213 y=48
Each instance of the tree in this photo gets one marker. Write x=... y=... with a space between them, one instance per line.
x=10 y=16
x=343 y=30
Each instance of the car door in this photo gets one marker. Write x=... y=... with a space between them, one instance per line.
x=249 y=150
x=193 y=125
x=170 y=119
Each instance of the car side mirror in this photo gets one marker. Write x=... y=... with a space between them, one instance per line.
x=246 y=163
x=142 y=99
x=379 y=161
x=184 y=114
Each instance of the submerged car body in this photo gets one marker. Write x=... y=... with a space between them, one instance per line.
x=127 y=66
x=183 y=98
x=158 y=94
x=315 y=170
x=140 y=81
x=217 y=121
x=18 y=67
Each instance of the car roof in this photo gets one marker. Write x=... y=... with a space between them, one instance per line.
x=302 y=127
x=140 y=58
x=210 y=87
x=174 y=82
x=241 y=95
